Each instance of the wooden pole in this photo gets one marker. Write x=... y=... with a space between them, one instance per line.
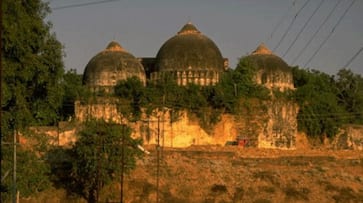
x=158 y=162
x=14 y=193
x=122 y=164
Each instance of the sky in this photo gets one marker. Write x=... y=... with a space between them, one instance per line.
x=236 y=26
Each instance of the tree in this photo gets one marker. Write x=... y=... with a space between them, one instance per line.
x=102 y=152
x=73 y=91
x=133 y=91
x=320 y=112
x=243 y=78
x=32 y=66
x=350 y=95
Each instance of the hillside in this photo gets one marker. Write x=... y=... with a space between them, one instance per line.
x=219 y=174
x=232 y=174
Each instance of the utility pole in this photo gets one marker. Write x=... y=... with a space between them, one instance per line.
x=158 y=162
x=1 y=79
x=162 y=135
x=98 y=167
x=14 y=169
x=122 y=164
x=171 y=127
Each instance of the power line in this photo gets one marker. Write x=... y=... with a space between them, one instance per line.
x=83 y=4
x=280 y=21
x=332 y=31
x=303 y=27
x=316 y=32
x=291 y=23
x=352 y=59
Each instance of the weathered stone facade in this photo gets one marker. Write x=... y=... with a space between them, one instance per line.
x=281 y=127
x=350 y=137
x=264 y=127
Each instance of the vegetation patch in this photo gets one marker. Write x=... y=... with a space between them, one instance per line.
x=293 y=193
x=267 y=189
x=238 y=194
x=266 y=176
x=346 y=194
x=218 y=188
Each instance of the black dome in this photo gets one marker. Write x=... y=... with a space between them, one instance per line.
x=189 y=49
x=111 y=65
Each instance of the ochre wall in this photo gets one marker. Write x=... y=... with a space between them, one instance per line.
x=268 y=125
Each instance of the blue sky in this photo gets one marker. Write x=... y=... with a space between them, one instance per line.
x=236 y=26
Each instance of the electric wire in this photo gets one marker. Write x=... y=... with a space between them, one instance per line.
x=303 y=27
x=290 y=25
x=331 y=32
x=83 y=4
x=301 y=117
x=352 y=59
x=316 y=32
x=280 y=21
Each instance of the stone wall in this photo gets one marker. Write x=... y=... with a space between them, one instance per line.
x=264 y=125
x=350 y=137
x=281 y=127
x=269 y=124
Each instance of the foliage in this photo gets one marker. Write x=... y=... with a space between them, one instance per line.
x=32 y=94
x=73 y=91
x=350 y=95
x=97 y=156
x=207 y=103
x=132 y=89
x=319 y=108
x=32 y=66
x=244 y=78
x=327 y=102
x=32 y=171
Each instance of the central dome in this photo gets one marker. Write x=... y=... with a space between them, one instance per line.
x=189 y=49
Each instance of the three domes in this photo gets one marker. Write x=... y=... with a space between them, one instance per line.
x=187 y=57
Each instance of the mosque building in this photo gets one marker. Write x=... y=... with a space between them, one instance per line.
x=187 y=57
x=190 y=57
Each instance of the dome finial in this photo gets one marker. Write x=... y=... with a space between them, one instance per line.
x=262 y=49
x=114 y=46
x=189 y=28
